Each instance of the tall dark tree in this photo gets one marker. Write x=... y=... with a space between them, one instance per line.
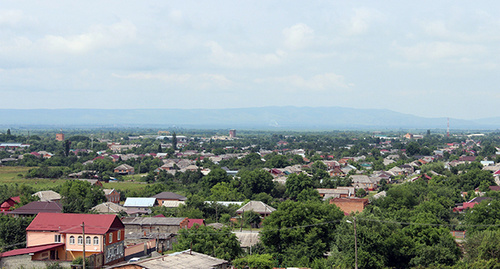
x=174 y=141
x=67 y=145
x=8 y=131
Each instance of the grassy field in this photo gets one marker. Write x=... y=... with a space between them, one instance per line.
x=15 y=175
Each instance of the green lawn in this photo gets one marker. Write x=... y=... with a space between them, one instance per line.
x=10 y=175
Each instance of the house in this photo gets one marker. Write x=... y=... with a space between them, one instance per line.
x=112 y=195
x=349 y=205
x=470 y=204
x=59 y=237
x=149 y=225
x=258 y=207
x=181 y=260
x=165 y=196
x=48 y=195
x=363 y=182
x=139 y=204
x=124 y=169
x=339 y=192
x=248 y=239
x=37 y=207
x=9 y=203
x=109 y=208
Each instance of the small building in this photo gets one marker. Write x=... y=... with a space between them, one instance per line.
x=60 y=137
x=58 y=237
x=166 y=196
x=112 y=195
x=140 y=203
x=109 y=208
x=124 y=169
x=350 y=205
x=150 y=225
x=48 y=195
x=258 y=207
x=9 y=203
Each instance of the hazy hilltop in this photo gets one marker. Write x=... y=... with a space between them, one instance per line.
x=257 y=117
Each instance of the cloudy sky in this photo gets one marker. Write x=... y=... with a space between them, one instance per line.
x=427 y=58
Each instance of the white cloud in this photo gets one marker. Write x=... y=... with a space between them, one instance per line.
x=360 y=22
x=441 y=50
x=198 y=79
x=14 y=17
x=222 y=57
x=298 y=36
x=97 y=37
x=318 y=82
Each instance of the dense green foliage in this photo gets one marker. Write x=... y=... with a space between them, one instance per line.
x=218 y=243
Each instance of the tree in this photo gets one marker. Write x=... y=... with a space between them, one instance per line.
x=80 y=196
x=256 y=181
x=256 y=261
x=223 y=191
x=215 y=176
x=8 y=132
x=300 y=232
x=252 y=219
x=13 y=232
x=67 y=144
x=222 y=243
x=296 y=183
x=174 y=141
x=483 y=245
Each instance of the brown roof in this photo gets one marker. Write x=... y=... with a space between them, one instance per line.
x=36 y=207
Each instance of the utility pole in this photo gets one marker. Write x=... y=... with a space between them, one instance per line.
x=355 y=245
x=83 y=233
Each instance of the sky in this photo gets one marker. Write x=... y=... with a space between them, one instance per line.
x=426 y=58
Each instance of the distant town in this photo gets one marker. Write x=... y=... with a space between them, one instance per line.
x=175 y=198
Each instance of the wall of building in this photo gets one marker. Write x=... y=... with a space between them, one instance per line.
x=79 y=247
x=24 y=261
x=349 y=205
x=40 y=238
x=145 y=230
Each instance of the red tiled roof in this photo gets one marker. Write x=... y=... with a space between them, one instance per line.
x=71 y=223
x=192 y=222
x=35 y=249
x=495 y=188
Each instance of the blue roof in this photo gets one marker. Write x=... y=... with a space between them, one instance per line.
x=139 y=202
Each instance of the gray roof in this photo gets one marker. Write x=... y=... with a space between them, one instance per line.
x=108 y=207
x=139 y=202
x=186 y=259
x=166 y=195
x=47 y=195
x=152 y=221
x=257 y=207
x=247 y=239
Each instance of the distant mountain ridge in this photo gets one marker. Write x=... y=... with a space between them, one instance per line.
x=287 y=117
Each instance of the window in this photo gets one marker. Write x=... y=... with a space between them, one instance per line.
x=110 y=237
x=118 y=235
x=87 y=240
x=96 y=240
x=72 y=240
x=80 y=240
x=57 y=238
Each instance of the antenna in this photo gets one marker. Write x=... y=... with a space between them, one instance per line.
x=448 y=129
